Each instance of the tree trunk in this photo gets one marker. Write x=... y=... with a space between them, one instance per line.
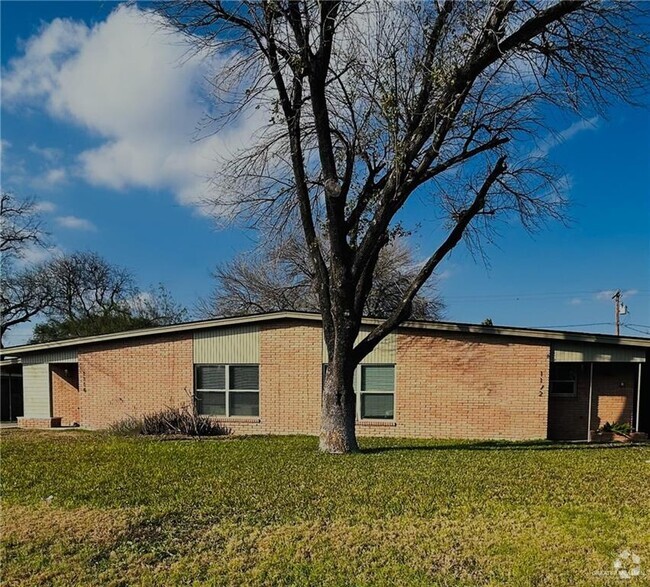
x=338 y=412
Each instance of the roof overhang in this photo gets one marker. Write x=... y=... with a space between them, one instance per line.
x=447 y=327
x=577 y=352
x=9 y=361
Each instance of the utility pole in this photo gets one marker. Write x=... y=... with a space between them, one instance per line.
x=617 y=311
x=619 y=308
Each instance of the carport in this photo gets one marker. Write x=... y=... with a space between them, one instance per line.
x=594 y=384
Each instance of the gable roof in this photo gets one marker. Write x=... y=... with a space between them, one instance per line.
x=451 y=327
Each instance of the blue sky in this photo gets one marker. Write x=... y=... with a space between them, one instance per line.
x=97 y=123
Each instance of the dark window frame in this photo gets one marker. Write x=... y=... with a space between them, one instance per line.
x=359 y=378
x=227 y=390
x=358 y=392
x=563 y=378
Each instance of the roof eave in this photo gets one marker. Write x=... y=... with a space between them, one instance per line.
x=451 y=327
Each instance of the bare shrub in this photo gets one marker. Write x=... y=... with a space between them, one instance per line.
x=183 y=421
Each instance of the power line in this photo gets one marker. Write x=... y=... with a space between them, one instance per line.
x=575 y=325
x=596 y=324
x=635 y=329
x=539 y=295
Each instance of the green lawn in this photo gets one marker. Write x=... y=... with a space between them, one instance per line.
x=273 y=511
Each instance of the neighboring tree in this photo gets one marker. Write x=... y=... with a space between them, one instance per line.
x=21 y=226
x=487 y=322
x=280 y=277
x=81 y=294
x=372 y=103
x=158 y=307
x=90 y=325
x=90 y=296
x=23 y=294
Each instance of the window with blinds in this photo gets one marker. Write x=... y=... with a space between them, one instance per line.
x=376 y=395
x=374 y=387
x=227 y=390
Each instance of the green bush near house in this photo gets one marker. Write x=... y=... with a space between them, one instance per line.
x=81 y=508
x=623 y=428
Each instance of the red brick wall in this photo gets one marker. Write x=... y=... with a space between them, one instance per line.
x=614 y=388
x=37 y=423
x=451 y=386
x=291 y=377
x=611 y=402
x=134 y=377
x=447 y=386
x=65 y=392
x=290 y=381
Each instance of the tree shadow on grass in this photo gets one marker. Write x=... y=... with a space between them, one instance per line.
x=496 y=445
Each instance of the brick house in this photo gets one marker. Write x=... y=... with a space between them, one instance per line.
x=263 y=374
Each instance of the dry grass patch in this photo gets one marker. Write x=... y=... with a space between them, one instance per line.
x=22 y=524
x=47 y=545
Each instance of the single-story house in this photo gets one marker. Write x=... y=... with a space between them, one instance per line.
x=263 y=374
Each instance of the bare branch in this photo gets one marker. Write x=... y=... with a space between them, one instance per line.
x=20 y=225
x=372 y=102
x=402 y=311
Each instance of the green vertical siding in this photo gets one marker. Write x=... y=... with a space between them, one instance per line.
x=569 y=352
x=36 y=390
x=237 y=344
x=54 y=356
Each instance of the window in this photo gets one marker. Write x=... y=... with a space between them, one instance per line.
x=374 y=387
x=227 y=390
x=376 y=395
x=563 y=380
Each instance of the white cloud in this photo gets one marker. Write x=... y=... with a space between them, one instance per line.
x=4 y=145
x=34 y=254
x=48 y=180
x=606 y=294
x=44 y=207
x=48 y=153
x=137 y=89
x=553 y=140
x=55 y=176
x=75 y=223
x=35 y=73
x=575 y=301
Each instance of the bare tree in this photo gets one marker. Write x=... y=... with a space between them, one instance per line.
x=158 y=307
x=89 y=296
x=81 y=293
x=84 y=284
x=20 y=226
x=23 y=294
x=280 y=277
x=372 y=103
